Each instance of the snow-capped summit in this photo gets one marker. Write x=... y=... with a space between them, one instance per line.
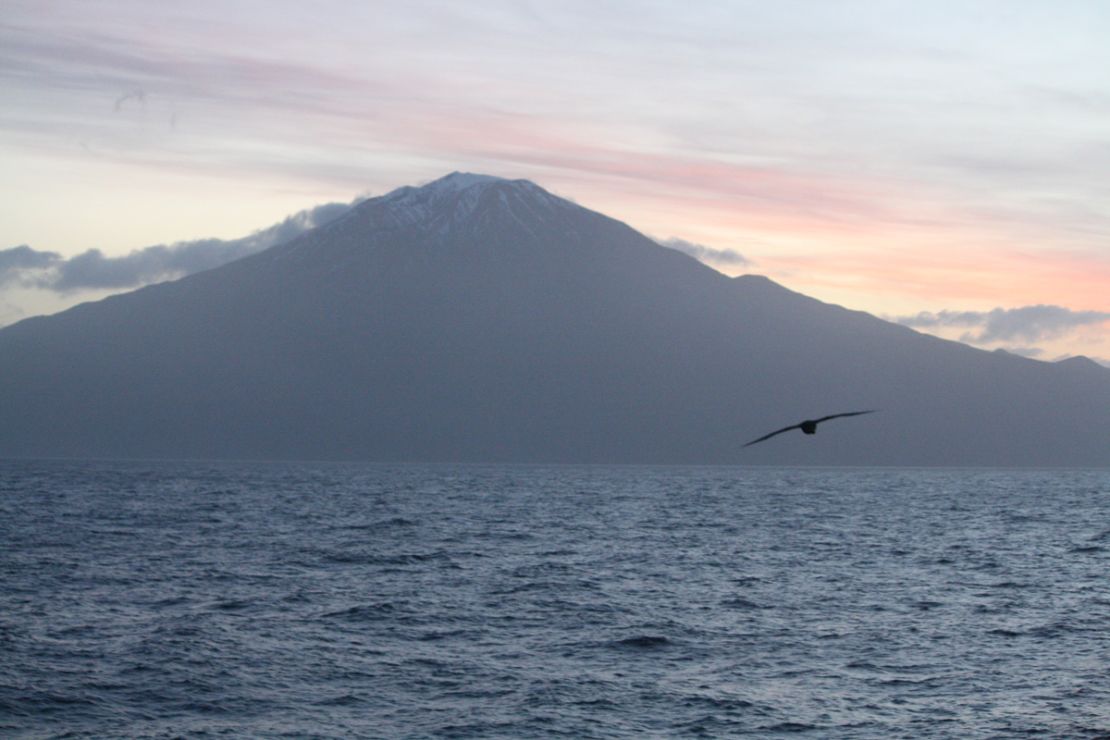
x=461 y=180
x=461 y=204
x=444 y=187
x=452 y=197
x=462 y=213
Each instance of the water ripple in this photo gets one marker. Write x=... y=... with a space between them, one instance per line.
x=201 y=599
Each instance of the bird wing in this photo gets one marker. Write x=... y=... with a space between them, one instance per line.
x=772 y=434
x=847 y=413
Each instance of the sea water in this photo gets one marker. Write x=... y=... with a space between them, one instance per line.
x=395 y=601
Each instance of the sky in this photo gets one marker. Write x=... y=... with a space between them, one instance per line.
x=942 y=164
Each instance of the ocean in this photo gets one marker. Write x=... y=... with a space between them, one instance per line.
x=197 y=599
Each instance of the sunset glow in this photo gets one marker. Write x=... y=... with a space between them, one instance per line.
x=896 y=158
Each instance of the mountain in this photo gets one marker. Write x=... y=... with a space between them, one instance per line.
x=482 y=319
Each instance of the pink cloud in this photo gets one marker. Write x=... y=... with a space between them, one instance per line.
x=954 y=275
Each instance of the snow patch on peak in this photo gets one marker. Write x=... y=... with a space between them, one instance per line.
x=469 y=203
x=439 y=190
x=457 y=181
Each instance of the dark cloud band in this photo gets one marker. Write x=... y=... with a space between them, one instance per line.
x=93 y=270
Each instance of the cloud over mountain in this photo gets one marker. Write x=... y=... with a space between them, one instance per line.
x=1027 y=323
x=93 y=270
x=18 y=259
x=706 y=254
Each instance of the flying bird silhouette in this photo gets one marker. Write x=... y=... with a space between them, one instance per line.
x=809 y=426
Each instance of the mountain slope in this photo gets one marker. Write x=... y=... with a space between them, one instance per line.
x=483 y=319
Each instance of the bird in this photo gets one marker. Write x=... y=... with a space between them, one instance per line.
x=809 y=426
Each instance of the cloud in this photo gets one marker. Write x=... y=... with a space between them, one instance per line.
x=16 y=261
x=706 y=254
x=1027 y=323
x=93 y=270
